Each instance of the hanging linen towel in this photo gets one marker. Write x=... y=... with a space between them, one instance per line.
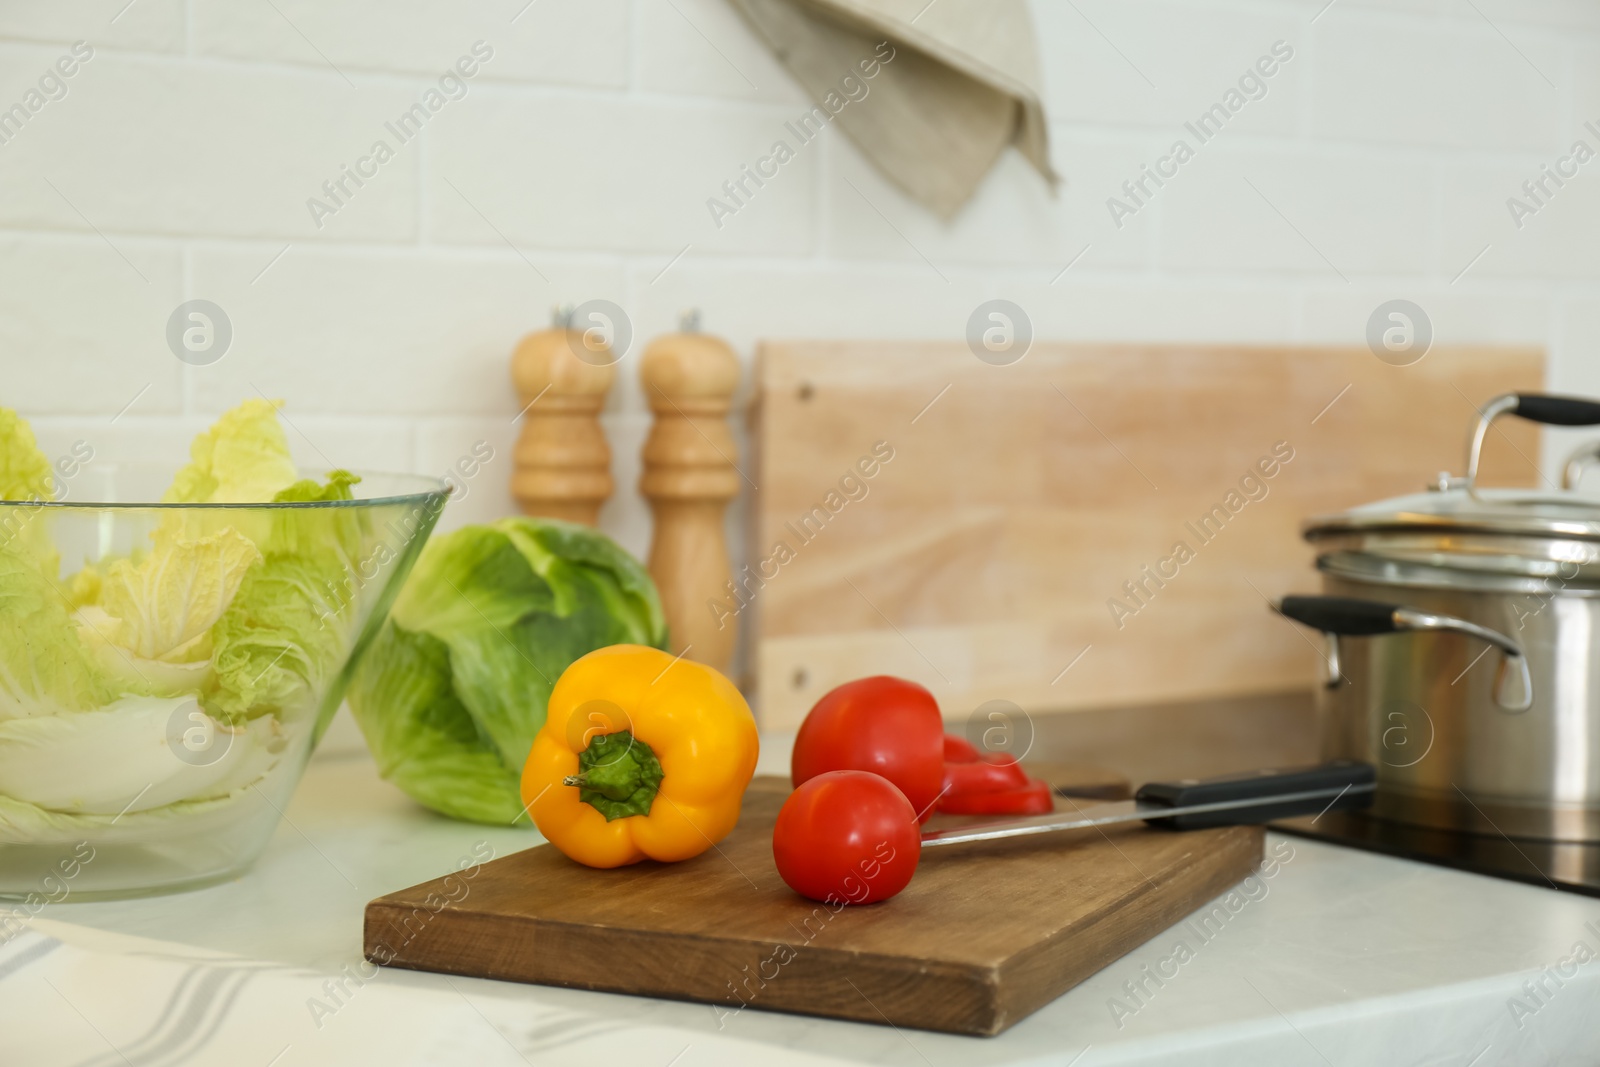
x=951 y=83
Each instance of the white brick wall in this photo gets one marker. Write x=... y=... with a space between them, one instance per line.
x=180 y=161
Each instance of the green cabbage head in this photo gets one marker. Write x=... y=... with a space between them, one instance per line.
x=453 y=690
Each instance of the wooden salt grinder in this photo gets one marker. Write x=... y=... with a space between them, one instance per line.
x=562 y=462
x=689 y=476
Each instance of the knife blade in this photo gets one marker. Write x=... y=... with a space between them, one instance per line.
x=1191 y=804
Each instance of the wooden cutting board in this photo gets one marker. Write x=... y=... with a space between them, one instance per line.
x=985 y=935
x=984 y=557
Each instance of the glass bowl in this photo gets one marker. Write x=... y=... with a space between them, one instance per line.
x=166 y=669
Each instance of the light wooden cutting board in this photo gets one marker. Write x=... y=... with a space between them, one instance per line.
x=985 y=557
x=984 y=935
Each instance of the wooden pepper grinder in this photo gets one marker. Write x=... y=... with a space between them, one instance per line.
x=562 y=461
x=690 y=474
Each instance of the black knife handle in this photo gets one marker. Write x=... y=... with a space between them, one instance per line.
x=1341 y=785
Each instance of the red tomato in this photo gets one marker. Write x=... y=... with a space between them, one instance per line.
x=885 y=725
x=959 y=750
x=1035 y=798
x=847 y=837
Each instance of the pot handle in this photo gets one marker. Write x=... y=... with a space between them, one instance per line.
x=1342 y=616
x=1546 y=408
x=1580 y=459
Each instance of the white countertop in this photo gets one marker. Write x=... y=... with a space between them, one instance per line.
x=1346 y=958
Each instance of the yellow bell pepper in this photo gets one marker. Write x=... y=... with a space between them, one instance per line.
x=641 y=756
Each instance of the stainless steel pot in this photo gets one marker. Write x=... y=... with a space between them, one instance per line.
x=1463 y=629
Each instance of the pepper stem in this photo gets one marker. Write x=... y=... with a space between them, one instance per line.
x=618 y=776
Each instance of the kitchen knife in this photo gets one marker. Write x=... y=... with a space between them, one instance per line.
x=1191 y=804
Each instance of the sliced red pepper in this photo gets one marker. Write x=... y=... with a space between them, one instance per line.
x=1035 y=798
x=988 y=784
x=992 y=774
x=959 y=750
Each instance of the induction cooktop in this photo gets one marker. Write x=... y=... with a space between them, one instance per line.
x=1573 y=868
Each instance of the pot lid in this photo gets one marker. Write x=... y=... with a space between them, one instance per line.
x=1456 y=538
x=1457 y=526
x=1512 y=512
